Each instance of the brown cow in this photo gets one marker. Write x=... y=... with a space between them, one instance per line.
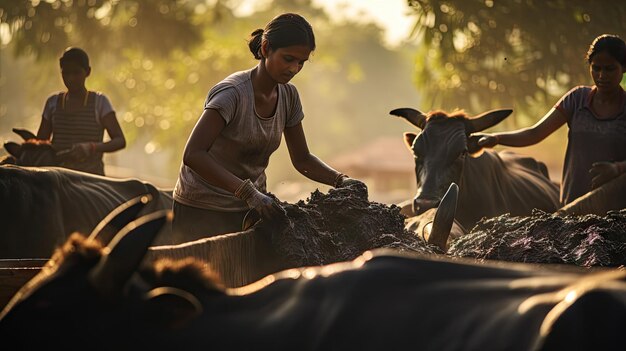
x=490 y=184
x=32 y=152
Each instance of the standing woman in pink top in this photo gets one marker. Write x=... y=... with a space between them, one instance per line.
x=596 y=118
x=242 y=123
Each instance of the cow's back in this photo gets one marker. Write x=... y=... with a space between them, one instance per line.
x=498 y=183
x=41 y=206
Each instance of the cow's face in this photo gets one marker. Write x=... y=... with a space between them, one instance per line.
x=32 y=153
x=439 y=151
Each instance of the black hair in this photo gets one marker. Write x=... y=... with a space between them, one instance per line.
x=75 y=55
x=611 y=44
x=284 y=30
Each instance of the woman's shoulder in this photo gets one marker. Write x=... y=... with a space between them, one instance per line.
x=580 y=90
x=237 y=80
x=291 y=90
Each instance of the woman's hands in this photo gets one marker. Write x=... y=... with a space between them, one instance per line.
x=265 y=205
x=487 y=140
x=342 y=181
x=81 y=151
x=602 y=172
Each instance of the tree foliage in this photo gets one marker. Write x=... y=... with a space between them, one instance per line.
x=481 y=54
x=44 y=28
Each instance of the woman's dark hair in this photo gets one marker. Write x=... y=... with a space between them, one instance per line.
x=75 y=55
x=284 y=30
x=612 y=44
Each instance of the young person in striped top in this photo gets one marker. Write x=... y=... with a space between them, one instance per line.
x=243 y=119
x=77 y=118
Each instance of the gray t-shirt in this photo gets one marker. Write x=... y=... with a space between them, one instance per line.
x=589 y=140
x=244 y=145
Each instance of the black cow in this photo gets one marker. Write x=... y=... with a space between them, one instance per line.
x=89 y=297
x=32 y=152
x=42 y=206
x=490 y=184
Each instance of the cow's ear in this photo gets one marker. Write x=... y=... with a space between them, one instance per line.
x=25 y=134
x=409 y=138
x=13 y=148
x=171 y=308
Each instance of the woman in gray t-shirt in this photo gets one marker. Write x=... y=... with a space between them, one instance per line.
x=244 y=118
x=596 y=118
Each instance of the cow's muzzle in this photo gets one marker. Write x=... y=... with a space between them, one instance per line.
x=421 y=204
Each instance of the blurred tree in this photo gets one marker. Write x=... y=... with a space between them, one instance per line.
x=480 y=54
x=44 y=28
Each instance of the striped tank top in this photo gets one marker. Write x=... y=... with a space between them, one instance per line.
x=78 y=126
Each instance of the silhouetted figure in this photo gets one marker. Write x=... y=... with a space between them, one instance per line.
x=77 y=118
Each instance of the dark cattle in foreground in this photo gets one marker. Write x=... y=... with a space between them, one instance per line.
x=490 y=184
x=381 y=300
x=42 y=206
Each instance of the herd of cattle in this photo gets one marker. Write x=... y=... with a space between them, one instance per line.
x=381 y=300
x=96 y=284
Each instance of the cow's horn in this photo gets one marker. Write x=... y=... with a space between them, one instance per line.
x=125 y=253
x=444 y=218
x=25 y=134
x=118 y=218
x=487 y=119
x=412 y=115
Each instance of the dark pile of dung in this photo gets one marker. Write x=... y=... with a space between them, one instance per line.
x=340 y=226
x=588 y=240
